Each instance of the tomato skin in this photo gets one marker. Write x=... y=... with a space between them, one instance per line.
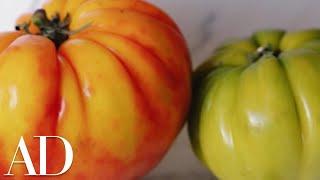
x=256 y=107
x=118 y=96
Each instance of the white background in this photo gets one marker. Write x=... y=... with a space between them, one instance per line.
x=205 y=24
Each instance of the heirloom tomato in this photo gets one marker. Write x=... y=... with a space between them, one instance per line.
x=110 y=76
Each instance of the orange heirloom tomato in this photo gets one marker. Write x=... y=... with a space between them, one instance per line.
x=112 y=77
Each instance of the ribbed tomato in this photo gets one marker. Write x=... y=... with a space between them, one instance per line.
x=112 y=77
x=256 y=108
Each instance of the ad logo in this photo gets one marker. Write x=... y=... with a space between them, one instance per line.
x=43 y=157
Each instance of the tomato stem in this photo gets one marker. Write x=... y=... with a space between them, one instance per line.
x=55 y=29
x=264 y=50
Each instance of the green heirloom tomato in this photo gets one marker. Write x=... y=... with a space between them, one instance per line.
x=256 y=109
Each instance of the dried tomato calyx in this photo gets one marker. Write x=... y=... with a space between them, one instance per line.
x=55 y=28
